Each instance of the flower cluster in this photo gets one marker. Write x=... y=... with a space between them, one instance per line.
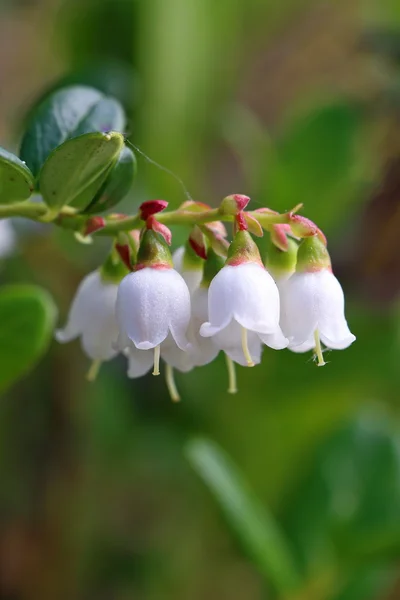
x=211 y=296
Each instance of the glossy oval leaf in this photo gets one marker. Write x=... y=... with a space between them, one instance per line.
x=66 y=114
x=254 y=525
x=117 y=184
x=27 y=316
x=76 y=170
x=16 y=180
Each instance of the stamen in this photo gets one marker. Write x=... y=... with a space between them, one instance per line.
x=230 y=365
x=171 y=385
x=156 y=369
x=245 y=348
x=318 y=349
x=93 y=370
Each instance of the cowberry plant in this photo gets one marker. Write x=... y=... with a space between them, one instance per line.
x=213 y=294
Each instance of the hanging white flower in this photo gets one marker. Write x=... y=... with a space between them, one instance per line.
x=92 y=317
x=189 y=267
x=153 y=302
x=243 y=299
x=313 y=303
x=7 y=238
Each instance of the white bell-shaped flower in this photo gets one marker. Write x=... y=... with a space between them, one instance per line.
x=7 y=238
x=189 y=266
x=312 y=303
x=243 y=300
x=92 y=317
x=154 y=301
x=151 y=303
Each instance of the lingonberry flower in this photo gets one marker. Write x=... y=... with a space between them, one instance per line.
x=189 y=265
x=153 y=301
x=7 y=238
x=243 y=298
x=92 y=317
x=313 y=303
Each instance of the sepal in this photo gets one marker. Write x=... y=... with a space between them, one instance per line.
x=153 y=252
x=312 y=256
x=281 y=263
x=243 y=249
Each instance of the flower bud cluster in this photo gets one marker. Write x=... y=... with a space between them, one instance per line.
x=211 y=296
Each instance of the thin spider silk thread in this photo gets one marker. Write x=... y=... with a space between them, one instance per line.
x=162 y=168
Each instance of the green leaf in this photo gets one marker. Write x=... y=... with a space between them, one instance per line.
x=117 y=184
x=75 y=171
x=254 y=525
x=66 y=114
x=16 y=180
x=27 y=316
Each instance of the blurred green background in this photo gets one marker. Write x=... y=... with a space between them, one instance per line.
x=291 y=488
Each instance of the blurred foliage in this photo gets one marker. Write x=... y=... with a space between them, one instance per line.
x=98 y=499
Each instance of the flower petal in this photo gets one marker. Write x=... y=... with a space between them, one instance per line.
x=304 y=347
x=139 y=361
x=246 y=292
x=275 y=340
x=150 y=303
x=92 y=316
x=230 y=341
x=174 y=356
x=299 y=312
x=332 y=324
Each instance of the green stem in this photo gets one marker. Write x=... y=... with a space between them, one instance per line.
x=68 y=219
x=31 y=210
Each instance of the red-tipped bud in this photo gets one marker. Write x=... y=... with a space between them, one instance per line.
x=301 y=226
x=197 y=242
x=278 y=236
x=253 y=225
x=217 y=228
x=93 y=224
x=152 y=223
x=125 y=254
x=233 y=204
x=152 y=207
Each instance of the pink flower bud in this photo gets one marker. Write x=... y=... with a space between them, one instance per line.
x=233 y=204
x=197 y=242
x=124 y=254
x=278 y=236
x=152 y=207
x=93 y=224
